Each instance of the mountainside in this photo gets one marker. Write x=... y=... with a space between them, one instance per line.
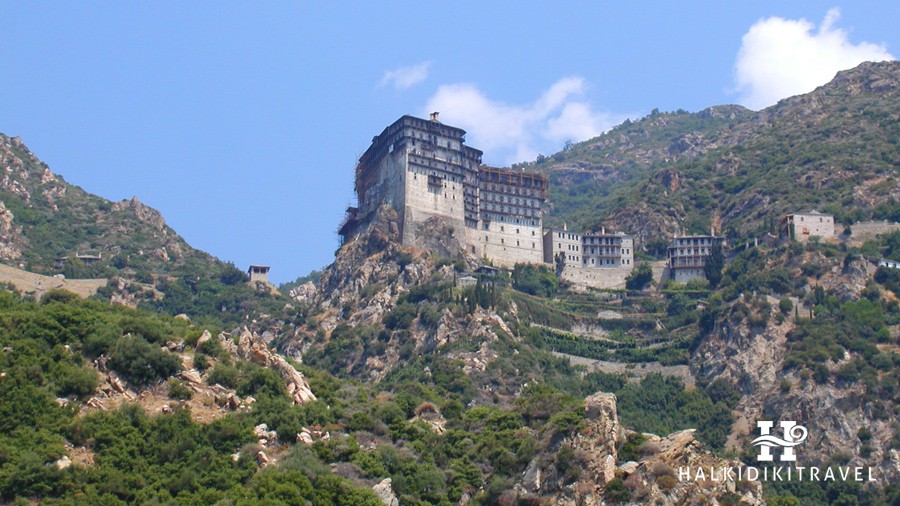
x=790 y=332
x=411 y=375
x=47 y=218
x=48 y=226
x=834 y=150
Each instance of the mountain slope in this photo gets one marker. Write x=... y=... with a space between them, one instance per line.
x=791 y=332
x=834 y=149
x=49 y=226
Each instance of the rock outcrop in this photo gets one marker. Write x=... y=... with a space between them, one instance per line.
x=654 y=479
x=385 y=492
x=254 y=348
x=11 y=237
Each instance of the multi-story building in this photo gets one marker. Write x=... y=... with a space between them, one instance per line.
x=607 y=251
x=687 y=256
x=802 y=226
x=424 y=169
x=561 y=242
x=510 y=216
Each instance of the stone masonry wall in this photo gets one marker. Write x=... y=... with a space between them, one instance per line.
x=596 y=277
x=507 y=244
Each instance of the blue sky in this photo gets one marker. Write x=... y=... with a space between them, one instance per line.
x=242 y=122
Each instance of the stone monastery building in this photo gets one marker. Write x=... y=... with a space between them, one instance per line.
x=424 y=169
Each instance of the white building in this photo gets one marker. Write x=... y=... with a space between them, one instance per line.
x=560 y=241
x=607 y=250
x=802 y=226
x=687 y=256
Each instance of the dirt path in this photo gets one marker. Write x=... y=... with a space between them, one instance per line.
x=29 y=282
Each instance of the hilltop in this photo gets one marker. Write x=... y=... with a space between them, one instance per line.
x=834 y=149
x=49 y=227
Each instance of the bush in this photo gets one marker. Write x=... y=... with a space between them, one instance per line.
x=75 y=380
x=400 y=317
x=140 y=362
x=616 y=492
x=640 y=277
x=535 y=280
x=225 y=375
x=785 y=306
x=179 y=391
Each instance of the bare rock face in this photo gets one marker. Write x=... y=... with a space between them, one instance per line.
x=253 y=348
x=142 y=212
x=384 y=492
x=653 y=480
x=601 y=437
x=11 y=238
x=304 y=293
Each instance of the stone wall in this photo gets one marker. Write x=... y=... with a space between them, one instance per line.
x=388 y=187
x=594 y=277
x=686 y=274
x=424 y=200
x=507 y=244
x=873 y=228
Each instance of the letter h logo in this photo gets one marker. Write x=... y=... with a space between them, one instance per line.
x=793 y=435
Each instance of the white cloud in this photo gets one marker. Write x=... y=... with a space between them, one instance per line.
x=406 y=77
x=513 y=133
x=781 y=57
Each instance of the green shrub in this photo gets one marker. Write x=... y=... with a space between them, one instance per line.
x=535 y=280
x=75 y=380
x=225 y=375
x=785 y=306
x=140 y=362
x=179 y=391
x=640 y=277
x=401 y=316
x=616 y=492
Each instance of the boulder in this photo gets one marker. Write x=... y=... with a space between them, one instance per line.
x=205 y=336
x=63 y=462
x=384 y=492
x=305 y=438
x=253 y=348
x=191 y=376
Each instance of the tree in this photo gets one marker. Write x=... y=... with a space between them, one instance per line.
x=714 y=264
x=640 y=277
x=535 y=280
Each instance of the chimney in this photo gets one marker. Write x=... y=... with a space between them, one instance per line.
x=435 y=115
x=565 y=226
x=603 y=230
